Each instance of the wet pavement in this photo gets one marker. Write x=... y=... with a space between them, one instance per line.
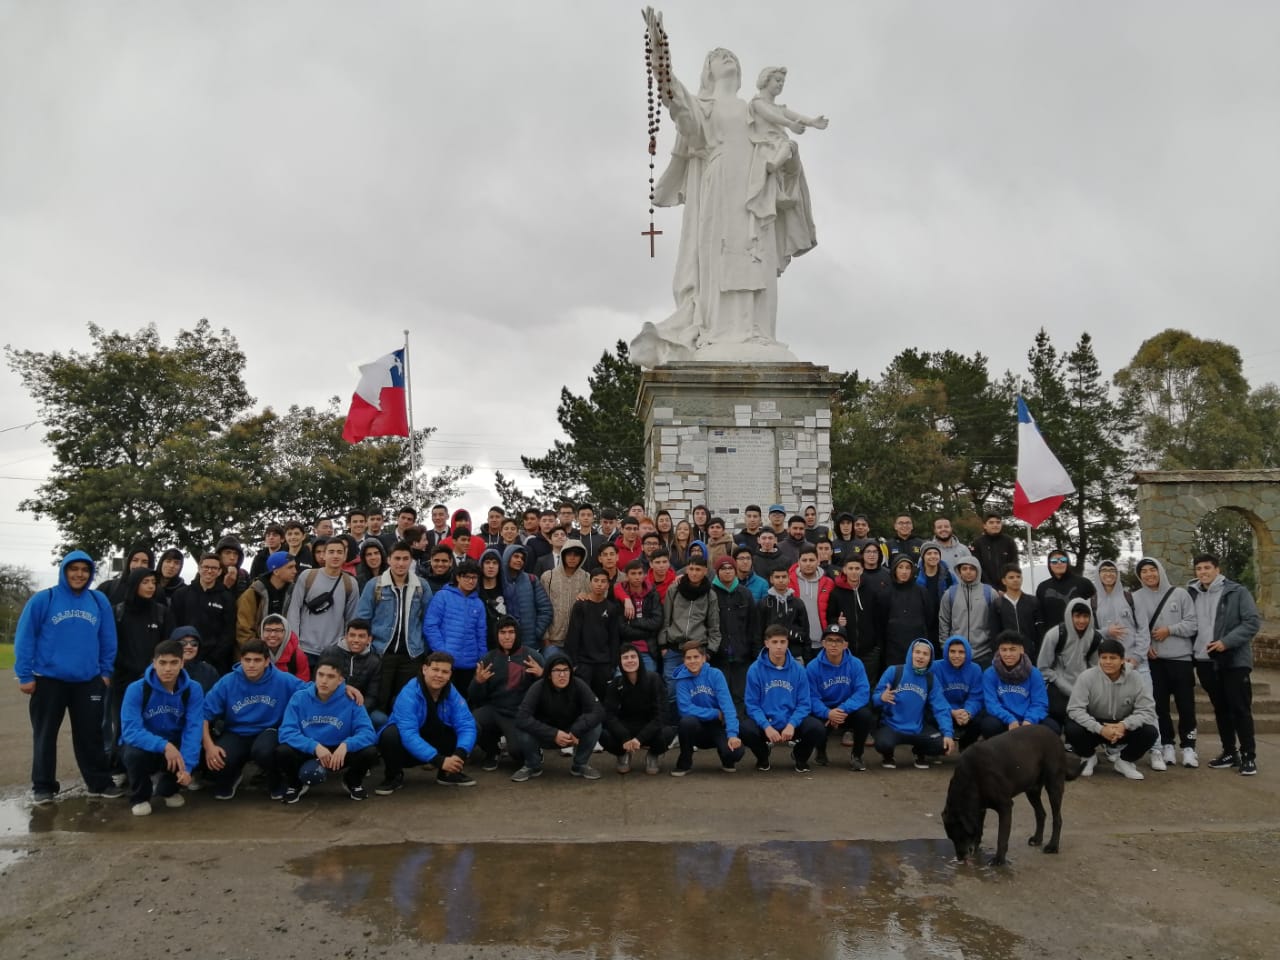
x=791 y=899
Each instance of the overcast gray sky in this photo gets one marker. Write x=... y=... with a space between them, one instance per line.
x=317 y=176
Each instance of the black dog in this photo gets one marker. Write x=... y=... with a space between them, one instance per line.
x=1026 y=760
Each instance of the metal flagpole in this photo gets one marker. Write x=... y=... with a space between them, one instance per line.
x=1031 y=561
x=408 y=399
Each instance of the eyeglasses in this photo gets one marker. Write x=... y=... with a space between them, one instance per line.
x=190 y=643
x=560 y=670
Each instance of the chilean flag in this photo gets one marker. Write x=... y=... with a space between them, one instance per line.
x=378 y=405
x=1042 y=482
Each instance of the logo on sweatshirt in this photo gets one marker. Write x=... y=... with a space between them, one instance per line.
x=335 y=722
x=778 y=684
x=258 y=698
x=74 y=614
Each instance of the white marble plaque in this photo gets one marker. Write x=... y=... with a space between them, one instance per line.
x=741 y=469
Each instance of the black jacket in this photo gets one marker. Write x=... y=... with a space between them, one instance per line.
x=547 y=709
x=213 y=613
x=635 y=709
x=140 y=625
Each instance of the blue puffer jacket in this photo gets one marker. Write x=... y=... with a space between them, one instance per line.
x=456 y=623
x=378 y=606
x=410 y=713
x=529 y=602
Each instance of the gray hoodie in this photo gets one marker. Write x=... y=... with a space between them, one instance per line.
x=1178 y=614
x=1096 y=700
x=1114 y=610
x=1078 y=652
x=966 y=610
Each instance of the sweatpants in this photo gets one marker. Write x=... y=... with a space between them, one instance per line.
x=290 y=760
x=808 y=735
x=1177 y=679
x=398 y=669
x=705 y=733
x=49 y=703
x=141 y=765
x=992 y=726
x=596 y=676
x=1230 y=691
x=926 y=743
x=240 y=749
x=1132 y=745
x=860 y=723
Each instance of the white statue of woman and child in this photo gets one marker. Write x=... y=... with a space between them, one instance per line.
x=746 y=213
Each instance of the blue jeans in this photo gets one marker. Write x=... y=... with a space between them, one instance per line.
x=531 y=749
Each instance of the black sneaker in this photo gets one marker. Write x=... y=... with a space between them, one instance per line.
x=1248 y=767
x=458 y=779
x=356 y=791
x=856 y=763
x=294 y=794
x=389 y=786
x=109 y=792
x=1225 y=761
x=920 y=762
x=820 y=757
x=490 y=763
x=887 y=761
x=800 y=766
x=763 y=766
x=42 y=798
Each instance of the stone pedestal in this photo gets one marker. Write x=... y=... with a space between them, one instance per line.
x=731 y=434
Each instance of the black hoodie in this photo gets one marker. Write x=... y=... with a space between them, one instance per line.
x=140 y=625
x=635 y=709
x=547 y=709
x=117 y=588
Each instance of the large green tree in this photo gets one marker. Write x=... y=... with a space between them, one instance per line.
x=158 y=442
x=17 y=584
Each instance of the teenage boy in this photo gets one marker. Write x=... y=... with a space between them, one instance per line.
x=564 y=584
x=210 y=607
x=1168 y=614
x=913 y=710
x=778 y=705
x=628 y=545
x=362 y=666
x=768 y=557
x=558 y=711
x=853 y=606
x=660 y=573
x=394 y=603
x=739 y=629
x=592 y=639
x=322 y=602
x=641 y=628
x=325 y=731
x=266 y=595
x=994 y=548
x=1110 y=705
x=793 y=541
x=756 y=585
x=966 y=609
x=430 y=720
x=706 y=711
x=781 y=607
x=814 y=591
x=1014 y=610
x=283 y=649
x=748 y=535
x=439 y=523
x=456 y=623
x=778 y=521
x=502 y=679
x=160 y=724
x=64 y=652
x=904 y=539
x=272 y=542
x=840 y=695
x=961 y=682
x=719 y=543
x=1055 y=592
x=1013 y=690
x=1066 y=652
x=691 y=612
x=530 y=604
x=1227 y=621
x=634 y=705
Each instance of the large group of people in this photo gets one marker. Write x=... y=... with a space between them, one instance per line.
x=454 y=646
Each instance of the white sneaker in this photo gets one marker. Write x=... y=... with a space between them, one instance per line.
x=1112 y=754
x=174 y=800
x=1189 y=758
x=1127 y=770
x=1087 y=770
x=141 y=809
x=1170 y=755
x=566 y=751
x=1157 y=760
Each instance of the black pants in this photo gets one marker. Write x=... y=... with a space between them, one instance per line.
x=655 y=744
x=1176 y=678
x=808 y=736
x=397 y=670
x=992 y=726
x=1058 y=704
x=926 y=743
x=50 y=702
x=1230 y=691
x=860 y=722
x=240 y=749
x=492 y=725
x=461 y=679
x=140 y=765
x=968 y=734
x=290 y=760
x=596 y=676
x=1133 y=744
x=113 y=701
x=705 y=733
x=735 y=678
x=395 y=756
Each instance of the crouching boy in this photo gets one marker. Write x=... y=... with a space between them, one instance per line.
x=429 y=720
x=161 y=719
x=914 y=709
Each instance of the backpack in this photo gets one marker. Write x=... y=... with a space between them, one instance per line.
x=895 y=672
x=1062 y=642
x=320 y=604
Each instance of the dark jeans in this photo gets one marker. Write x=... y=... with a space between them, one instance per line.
x=926 y=743
x=240 y=749
x=705 y=733
x=50 y=702
x=808 y=736
x=1176 y=678
x=289 y=761
x=397 y=670
x=1133 y=744
x=140 y=765
x=656 y=744
x=1230 y=691
x=395 y=756
x=492 y=725
x=859 y=722
x=992 y=726
x=531 y=748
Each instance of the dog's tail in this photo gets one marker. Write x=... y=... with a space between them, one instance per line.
x=1073 y=766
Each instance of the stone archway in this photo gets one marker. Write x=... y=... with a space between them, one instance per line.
x=1172 y=503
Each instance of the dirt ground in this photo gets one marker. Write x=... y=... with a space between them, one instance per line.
x=835 y=864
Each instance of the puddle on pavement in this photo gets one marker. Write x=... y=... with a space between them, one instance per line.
x=19 y=817
x=799 y=900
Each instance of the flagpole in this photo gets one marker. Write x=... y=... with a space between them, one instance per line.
x=408 y=399
x=1031 y=560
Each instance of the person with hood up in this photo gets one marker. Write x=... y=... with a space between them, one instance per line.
x=529 y=602
x=778 y=708
x=503 y=677
x=913 y=709
x=139 y=556
x=564 y=584
x=142 y=622
x=559 y=710
x=1110 y=705
x=325 y=731
x=161 y=720
x=64 y=654
x=966 y=610
x=961 y=682
x=875 y=573
x=461 y=520
x=170 y=571
x=361 y=666
x=1062 y=586
x=282 y=647
x=1113 y=616
x=843 y=542
x=739 y=629
x=394 y=603
x=706 y=712
x=266 y=595
x=455 y=623
x=1013 y=691
x=373 y=561
x=1066 y=652
x=199 y=670
x=210 y=607
x=1168 y=616
x=840 y=695
x=493 y=590
x=430 y=721
x=691 y=612
x=234 y=577
x=634 y=706
x=905 y=613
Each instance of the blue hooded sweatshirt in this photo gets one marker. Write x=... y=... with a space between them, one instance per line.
x=1015 y=700
x=962 y=687
x=65 y=634
x=308 y=721
x=176 y=717
x=705 y=695
x=251 y=706
x=913 y=694
x=410 y=712
x=777 y=695
x=843 y=686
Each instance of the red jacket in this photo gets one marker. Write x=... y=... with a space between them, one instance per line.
x=825 y=586
x=664 y=586
x=293 y=660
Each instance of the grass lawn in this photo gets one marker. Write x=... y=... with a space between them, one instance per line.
x=6 y=656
